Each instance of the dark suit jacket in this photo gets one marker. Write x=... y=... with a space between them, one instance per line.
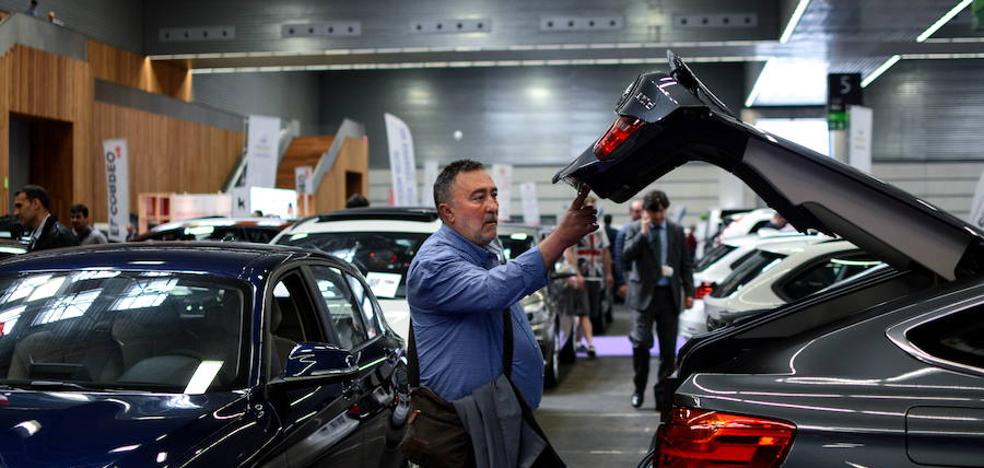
x=645 y=267
x=54 y=235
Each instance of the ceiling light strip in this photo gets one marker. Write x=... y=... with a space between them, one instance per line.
x=943 y=20
x=756 y=88
x=880 y=70
x=794 y=20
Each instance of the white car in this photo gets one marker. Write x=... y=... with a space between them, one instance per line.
x=782 y=273
x=747 y=223
x=383 y=241
x=718 y=263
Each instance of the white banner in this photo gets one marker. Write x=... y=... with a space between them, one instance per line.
x=263 y=141
x=303 y=178
x=860 y=120
x=977 y=206
x=430 y=176
x=403 y=167
x=502 y=176
x=273 y=202
x=531 y=204
x=239 y=200
x=731 y=191
x=117 y=159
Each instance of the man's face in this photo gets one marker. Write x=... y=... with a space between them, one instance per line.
x=658 y=216
x=635 y=210
x=79 y=221
x=27 y=211
x=473 y=210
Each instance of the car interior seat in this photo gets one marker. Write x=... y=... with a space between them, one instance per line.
x=88 y=353
x=282 y=345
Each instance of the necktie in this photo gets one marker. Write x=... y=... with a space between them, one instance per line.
x=656 y=243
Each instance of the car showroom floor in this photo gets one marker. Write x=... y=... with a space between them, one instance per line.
x=588 y=417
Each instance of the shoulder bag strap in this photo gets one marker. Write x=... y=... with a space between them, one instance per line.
x=413 y=364
x=507 y=342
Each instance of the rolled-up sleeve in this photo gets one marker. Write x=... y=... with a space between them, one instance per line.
x=450 y=284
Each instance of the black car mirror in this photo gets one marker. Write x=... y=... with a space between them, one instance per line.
x=318 y=361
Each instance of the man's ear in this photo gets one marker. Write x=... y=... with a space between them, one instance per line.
x=446 y=213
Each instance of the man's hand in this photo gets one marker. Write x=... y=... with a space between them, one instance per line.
x=645 y=221
x=577 y=222
x=623 y=290
x=688 y=302
x=609 y=279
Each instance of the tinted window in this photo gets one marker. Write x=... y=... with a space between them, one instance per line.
x=344 y=314
x=825 y=274
x=513 y=245
x=370 y=311
x=712 y=256
x=957 y=337
x=146 y=330
x=200 y=233
x=385 y=255
x=760 y=262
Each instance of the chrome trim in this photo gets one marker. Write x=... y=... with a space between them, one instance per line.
x=897 y=335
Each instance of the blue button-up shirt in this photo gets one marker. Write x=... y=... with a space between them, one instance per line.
x=457 y=291
x=660 y=230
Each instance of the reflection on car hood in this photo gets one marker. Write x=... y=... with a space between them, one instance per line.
x=98 y=429
x=681 y=122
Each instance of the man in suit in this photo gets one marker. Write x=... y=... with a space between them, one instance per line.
x=660 y=282
x=31 y=209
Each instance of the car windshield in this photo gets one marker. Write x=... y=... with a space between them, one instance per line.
x=385 y=255
x=756 y=264
x=136 y=330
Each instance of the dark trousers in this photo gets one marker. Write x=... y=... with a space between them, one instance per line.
x=664 y=313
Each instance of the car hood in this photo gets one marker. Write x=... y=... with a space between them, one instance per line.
x=98 y=429
x=682 y=121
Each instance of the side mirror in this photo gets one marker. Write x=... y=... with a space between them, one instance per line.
x=318 y=361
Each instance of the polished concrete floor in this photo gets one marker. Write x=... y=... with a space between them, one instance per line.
x=588 y=417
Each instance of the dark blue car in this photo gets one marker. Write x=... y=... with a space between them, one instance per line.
x=195 y=354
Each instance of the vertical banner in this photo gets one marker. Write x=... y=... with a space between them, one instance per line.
x=304 y=185
x=502 y=176
x=860 y=120
x=531 y=204
x=117 y=159
x=240 y=202
x=403 y=167
x=262 y=145
x=977 y=206
x=427 y=189
x=731 y=191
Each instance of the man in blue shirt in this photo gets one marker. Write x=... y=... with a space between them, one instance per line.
x=457 y=288
x=660 y=270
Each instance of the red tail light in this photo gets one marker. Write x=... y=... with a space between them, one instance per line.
x=621 y=130
x=695 y=438
x=704 y=289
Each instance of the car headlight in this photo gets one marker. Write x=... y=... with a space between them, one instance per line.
x=535 y=306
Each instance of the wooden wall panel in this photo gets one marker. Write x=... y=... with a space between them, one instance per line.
x=166 y=154
x=136 y=71
x=354 y=157
x=303 y=151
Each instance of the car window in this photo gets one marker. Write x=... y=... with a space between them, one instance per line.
x=386 y=255
x=957 y=337
x=145 y=330
x=344 y=314
x=513 y=245
x=292 y=318
x=760 y=262
x=712 y=256
x=259 y=236
x=824 y=274
x=370 y=311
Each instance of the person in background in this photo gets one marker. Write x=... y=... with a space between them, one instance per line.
x=662 y=269
x=593 y=269
x=132 y=232
x=31 y=209
x=635 y=213
x=356 y=201
x=32 y=9
x=80 y=224
x=779 y=223
x=53 y=20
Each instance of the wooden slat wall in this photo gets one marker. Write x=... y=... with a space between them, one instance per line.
x=354 y=157
x=303 y=151
x=166 y=154
x=128 y=69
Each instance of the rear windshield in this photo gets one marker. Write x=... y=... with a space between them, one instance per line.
x=142 y=330
x=756 y=264
x=385 y=255
x=712 y=256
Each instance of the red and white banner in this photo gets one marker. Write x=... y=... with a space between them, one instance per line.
x=117 y=157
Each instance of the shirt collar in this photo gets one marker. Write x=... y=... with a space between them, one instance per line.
x=662 y=225
x=40 y=229
x=480 y=255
